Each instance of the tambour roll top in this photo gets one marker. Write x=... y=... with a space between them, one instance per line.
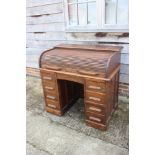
x=92 y=60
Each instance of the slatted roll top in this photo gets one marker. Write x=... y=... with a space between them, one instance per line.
x=92 y=60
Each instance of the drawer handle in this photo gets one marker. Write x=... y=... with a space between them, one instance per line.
x=52 y=67
x=95 y=109
x=51 y=88
x=51 y=97
x=87 y=72
x=94 y=119
x=51 y=105
x=94 y=87
x=47 y=78
x=94 y=98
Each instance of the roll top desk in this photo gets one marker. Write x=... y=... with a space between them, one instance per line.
x=69 y=72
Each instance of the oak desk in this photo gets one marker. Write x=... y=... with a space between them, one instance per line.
x=69 y=72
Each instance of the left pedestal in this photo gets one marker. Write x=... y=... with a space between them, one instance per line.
x=51 y=93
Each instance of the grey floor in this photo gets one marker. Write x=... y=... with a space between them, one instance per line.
x=48 y=134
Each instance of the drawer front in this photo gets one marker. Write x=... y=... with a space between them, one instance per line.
x=95 y=108
x=95 y=97
x=50 y=87
x=95 y=86
x=51 y=96
x=52 y=104
x=95 y=118
x=47 y=76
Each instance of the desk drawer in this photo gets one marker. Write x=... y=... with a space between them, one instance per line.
x=49 y=87
x=96 y=118
x=52 y=104
x=47 y=76
x=51 y=96
x=95 y=108
x=96 y=86
x=95 y=97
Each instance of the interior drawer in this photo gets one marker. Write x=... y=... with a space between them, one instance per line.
x=95 y=86
x=95 y=97
x=95 y=108
x=96 y=117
